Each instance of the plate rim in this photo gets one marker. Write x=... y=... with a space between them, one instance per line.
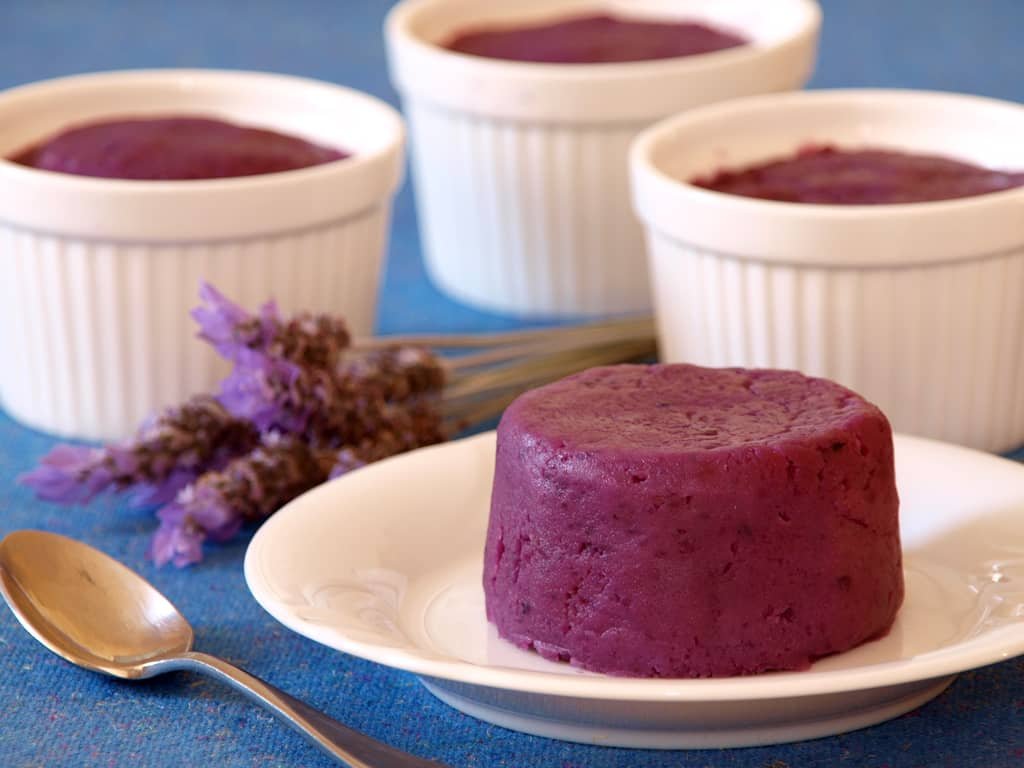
x=999 y=644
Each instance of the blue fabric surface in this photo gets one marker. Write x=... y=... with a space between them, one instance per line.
x=54 y=715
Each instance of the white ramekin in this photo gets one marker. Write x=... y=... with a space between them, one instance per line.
x=520 y=168
x=99 y=275
x=919 y=307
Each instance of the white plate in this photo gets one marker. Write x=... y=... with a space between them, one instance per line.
x=385 y=563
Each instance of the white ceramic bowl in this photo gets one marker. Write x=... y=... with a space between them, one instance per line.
x=919 y=307
x=520 y=168
x=100 y=274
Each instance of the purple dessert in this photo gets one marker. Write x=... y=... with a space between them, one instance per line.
x=832 y=176
x=677 y=521
x=594 y=39
x=172 y=148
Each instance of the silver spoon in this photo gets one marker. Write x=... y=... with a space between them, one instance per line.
x=89 y=609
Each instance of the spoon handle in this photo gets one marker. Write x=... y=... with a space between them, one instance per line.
x=352 y=748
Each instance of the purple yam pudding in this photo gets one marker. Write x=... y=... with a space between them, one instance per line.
x=172 y=148
x=832 y=176
x=677 y=521
x=595 y=39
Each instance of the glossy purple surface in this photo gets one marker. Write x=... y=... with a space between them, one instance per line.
x=594 y=39
x=172 y=148
x=834 y=176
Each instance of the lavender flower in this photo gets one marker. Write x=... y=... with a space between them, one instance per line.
x=268 y=394
x=393 y=373
x=177 y=539
x=311 y=340
x=70 y=474
x=341 y=406
x=298 y=406
x=400 y=428
x=305 y=339
x=228 y=327
x=254 y=486
x=250 y=487
x=292 y=377
x=167 y=453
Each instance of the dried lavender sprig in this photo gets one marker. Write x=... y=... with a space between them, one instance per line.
x=389 y=391
x=312 y=340
x=347 y=406
x=178 y=539
x=167 y=453
x=402 y=427
x=274 y=394
x=250 y=487
x=353 y=418
x=70 y=474
x=280 y=468
x=393 y=373
x=291 y=376
x=305 y=339
x=228 y=327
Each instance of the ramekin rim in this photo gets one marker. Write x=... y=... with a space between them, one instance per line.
x=180 y=187
x=645 y=143
x=398 y=21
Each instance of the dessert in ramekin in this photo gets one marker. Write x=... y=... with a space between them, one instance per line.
x=520 y=168
x=917 y=306
x=100 y=273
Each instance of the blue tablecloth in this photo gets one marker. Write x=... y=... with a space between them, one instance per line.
x=54 y=715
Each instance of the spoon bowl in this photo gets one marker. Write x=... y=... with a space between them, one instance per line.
x=88 y=608
x=94 y=612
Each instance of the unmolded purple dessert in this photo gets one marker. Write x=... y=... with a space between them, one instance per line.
x=594 y=39
x=834 y=176
x=677 y=521
x=173 y=148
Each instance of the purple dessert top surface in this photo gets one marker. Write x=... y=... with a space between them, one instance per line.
x=833 y=176
x=172 y=148
x=594 y=39
x=678 y=408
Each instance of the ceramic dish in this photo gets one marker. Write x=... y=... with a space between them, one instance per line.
x=918 y=307
x=385 y=564
x=520 y=168
x=100 y=274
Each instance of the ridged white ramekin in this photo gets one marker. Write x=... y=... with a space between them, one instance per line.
x=520 y=168
x=99 y=275
x=919 y=307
